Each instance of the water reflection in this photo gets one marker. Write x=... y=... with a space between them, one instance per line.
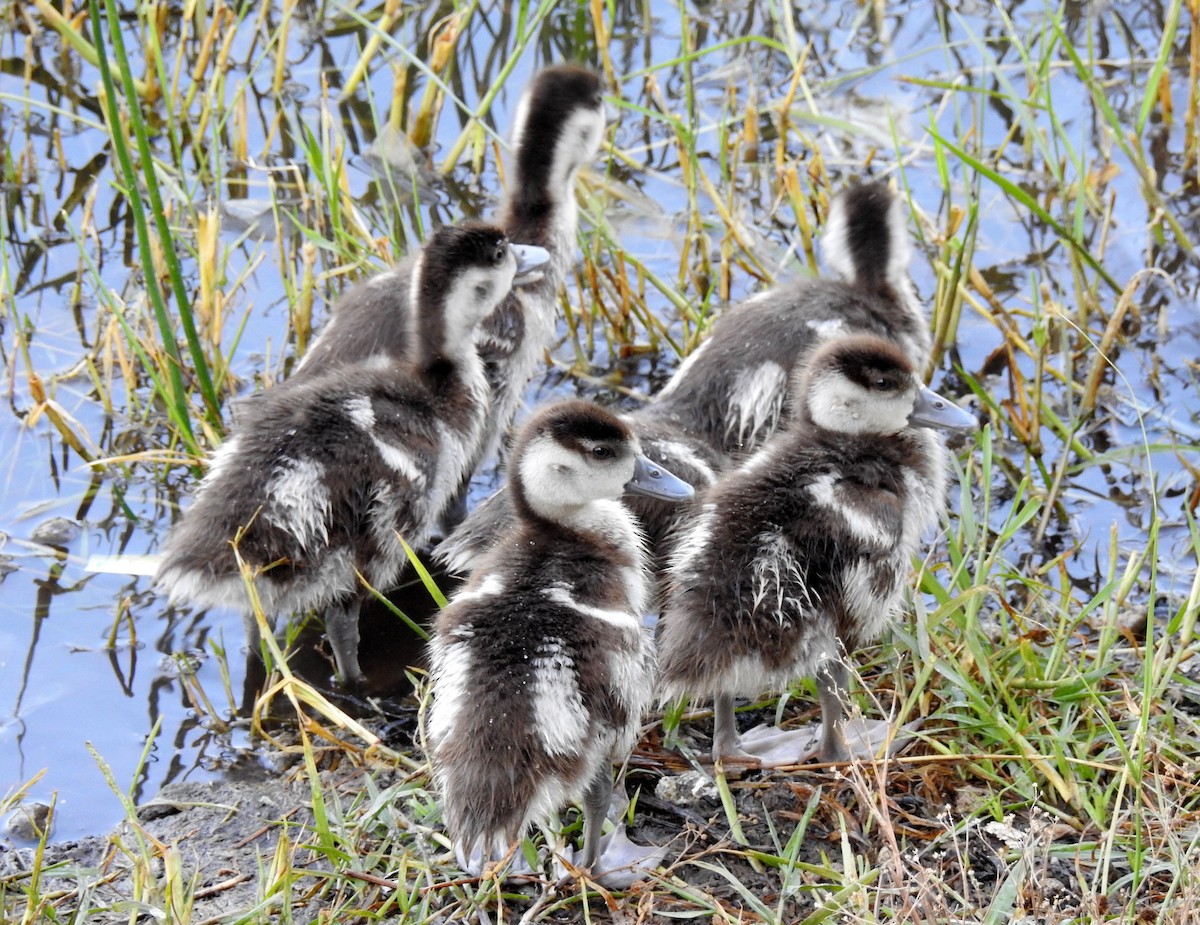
x=91 y=658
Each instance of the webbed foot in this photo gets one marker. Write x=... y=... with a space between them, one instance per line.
x=876 y=738
x=862 y=739
x=513 y=865
x=775 y=747
x=622 y=863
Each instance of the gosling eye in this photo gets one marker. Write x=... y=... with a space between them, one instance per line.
x=602 y=452
x=500 y=252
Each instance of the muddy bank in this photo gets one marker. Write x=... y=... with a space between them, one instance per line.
x=248 y=846
x=217 y=835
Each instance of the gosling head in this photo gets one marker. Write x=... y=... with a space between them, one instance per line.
x=574 y=453
x=864 y=385
x=465 y=271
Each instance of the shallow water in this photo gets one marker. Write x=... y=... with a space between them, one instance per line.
x=874 y=86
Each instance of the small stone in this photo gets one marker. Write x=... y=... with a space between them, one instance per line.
x=57 y=531
x=687 y=789
x=1012 y=837
x=967 y=800
x=158 y=809
x=1132 y=619
x=30 y=822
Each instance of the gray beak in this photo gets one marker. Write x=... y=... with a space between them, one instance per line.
x=529 y=258
x=652 y=480
x=932 y=410
x=612 y=115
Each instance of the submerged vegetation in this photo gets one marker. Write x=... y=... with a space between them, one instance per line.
x=187 y=187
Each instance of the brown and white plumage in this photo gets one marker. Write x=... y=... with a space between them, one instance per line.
x=801 y=554
x=322 y=475
x=541 y=668
x=558 y=129
x=731 y=394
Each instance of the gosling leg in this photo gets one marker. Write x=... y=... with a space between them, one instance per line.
x=256 y=670
x=622 y=862
x=727 y=744
x=253 y=636
x=832 y=684
x=595 y=809
x=341 y=626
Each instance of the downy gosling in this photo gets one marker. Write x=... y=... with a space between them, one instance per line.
x=800 y=555
x=322 y=476
x=541 y=668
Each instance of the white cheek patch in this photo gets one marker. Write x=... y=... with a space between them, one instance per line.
x=543 y=473
x=889 y=415
x=838 y=405
x=299 y=502
x=755 y=402
x=475 y=294
x=829 y=406
x=560 y=718
x=558 y=480
x=582 y=134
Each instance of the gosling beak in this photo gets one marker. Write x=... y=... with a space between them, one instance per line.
x=529 y=258
x=651 y=479
x=612 y=115
x=932 y=410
